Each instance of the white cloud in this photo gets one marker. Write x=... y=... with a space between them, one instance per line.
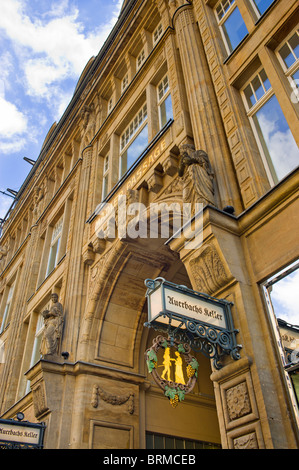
x=60 y=45
x=49 y=47
x=285 y=298
x=12 y=121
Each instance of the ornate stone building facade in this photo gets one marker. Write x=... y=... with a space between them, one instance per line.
x=172 y=110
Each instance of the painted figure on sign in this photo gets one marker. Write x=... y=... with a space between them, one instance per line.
x=179 y=375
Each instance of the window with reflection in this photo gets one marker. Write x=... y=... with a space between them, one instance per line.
x=7 y=301
x=231 y=24
x=275 y=140
x=133 y=140
x=288 y=55
x=281 y=298
x=164 y=101
x=262 y=5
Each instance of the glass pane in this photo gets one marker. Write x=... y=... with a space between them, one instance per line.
x=234 y=29
x=263 y=5
x=294 y=43
x=105 y=186
x=169 y=443
x=149 y=441
x=265 y=79
x=257 y=86
x=53 y=256
x=158 y=442
x=283 y=296
x=250 y=98
x=286 y=55
x=295 y=77
x=134 y=150
x=276 y=139
x=179 y=443
x=166 y=111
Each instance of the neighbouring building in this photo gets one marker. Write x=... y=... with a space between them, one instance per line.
x=186 y=102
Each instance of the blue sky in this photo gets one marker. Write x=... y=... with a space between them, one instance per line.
x=44 y=47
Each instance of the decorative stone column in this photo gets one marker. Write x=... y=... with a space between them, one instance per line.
x=204 y=112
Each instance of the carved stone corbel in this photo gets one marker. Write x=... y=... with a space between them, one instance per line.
x=170 y=165
x=88 y=255
x=155 y=182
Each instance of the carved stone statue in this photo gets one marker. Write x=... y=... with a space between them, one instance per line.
x=53 y=321
x=196 y=172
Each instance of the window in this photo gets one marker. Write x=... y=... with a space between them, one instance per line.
x=140 y=59
x=289 y=57
x=281 y=298
x=276 y=143
x=124 y=83
x=164 y=101
x=262 y=5
x=232 y=26
x=133 y=140
x=54 y=247
x=7 y=308
x=160 y=441
x=110 y=105
x=105 y=177
x=36 y=355
x=157 y=33
x=37 y=340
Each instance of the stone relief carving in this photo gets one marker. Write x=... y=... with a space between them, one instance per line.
x=88 y=122
x=39 y=194
x=208 y=271
x=238 y=402
x=249 y=441
x=39 y=400
x=4 y=249
x=53 y=321
x=198 y=178
x=97 y=393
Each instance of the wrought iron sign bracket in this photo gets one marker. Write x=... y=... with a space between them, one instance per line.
x=214 y=338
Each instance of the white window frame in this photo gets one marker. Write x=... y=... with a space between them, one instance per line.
x=105 y=176
x=131 y=132
x=251 y=111
x=125 y=83
x=7 y=307
x=256 y=10
x=110 y=105
x=232 y=6
x=267 y=287
x=54 y=246
x=290 y=71
x=163 y=91
x=140 y=59
x=157 y=33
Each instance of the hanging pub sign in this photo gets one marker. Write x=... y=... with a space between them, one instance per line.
x=195 y=318
x=21 y=434
x=179 y=374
